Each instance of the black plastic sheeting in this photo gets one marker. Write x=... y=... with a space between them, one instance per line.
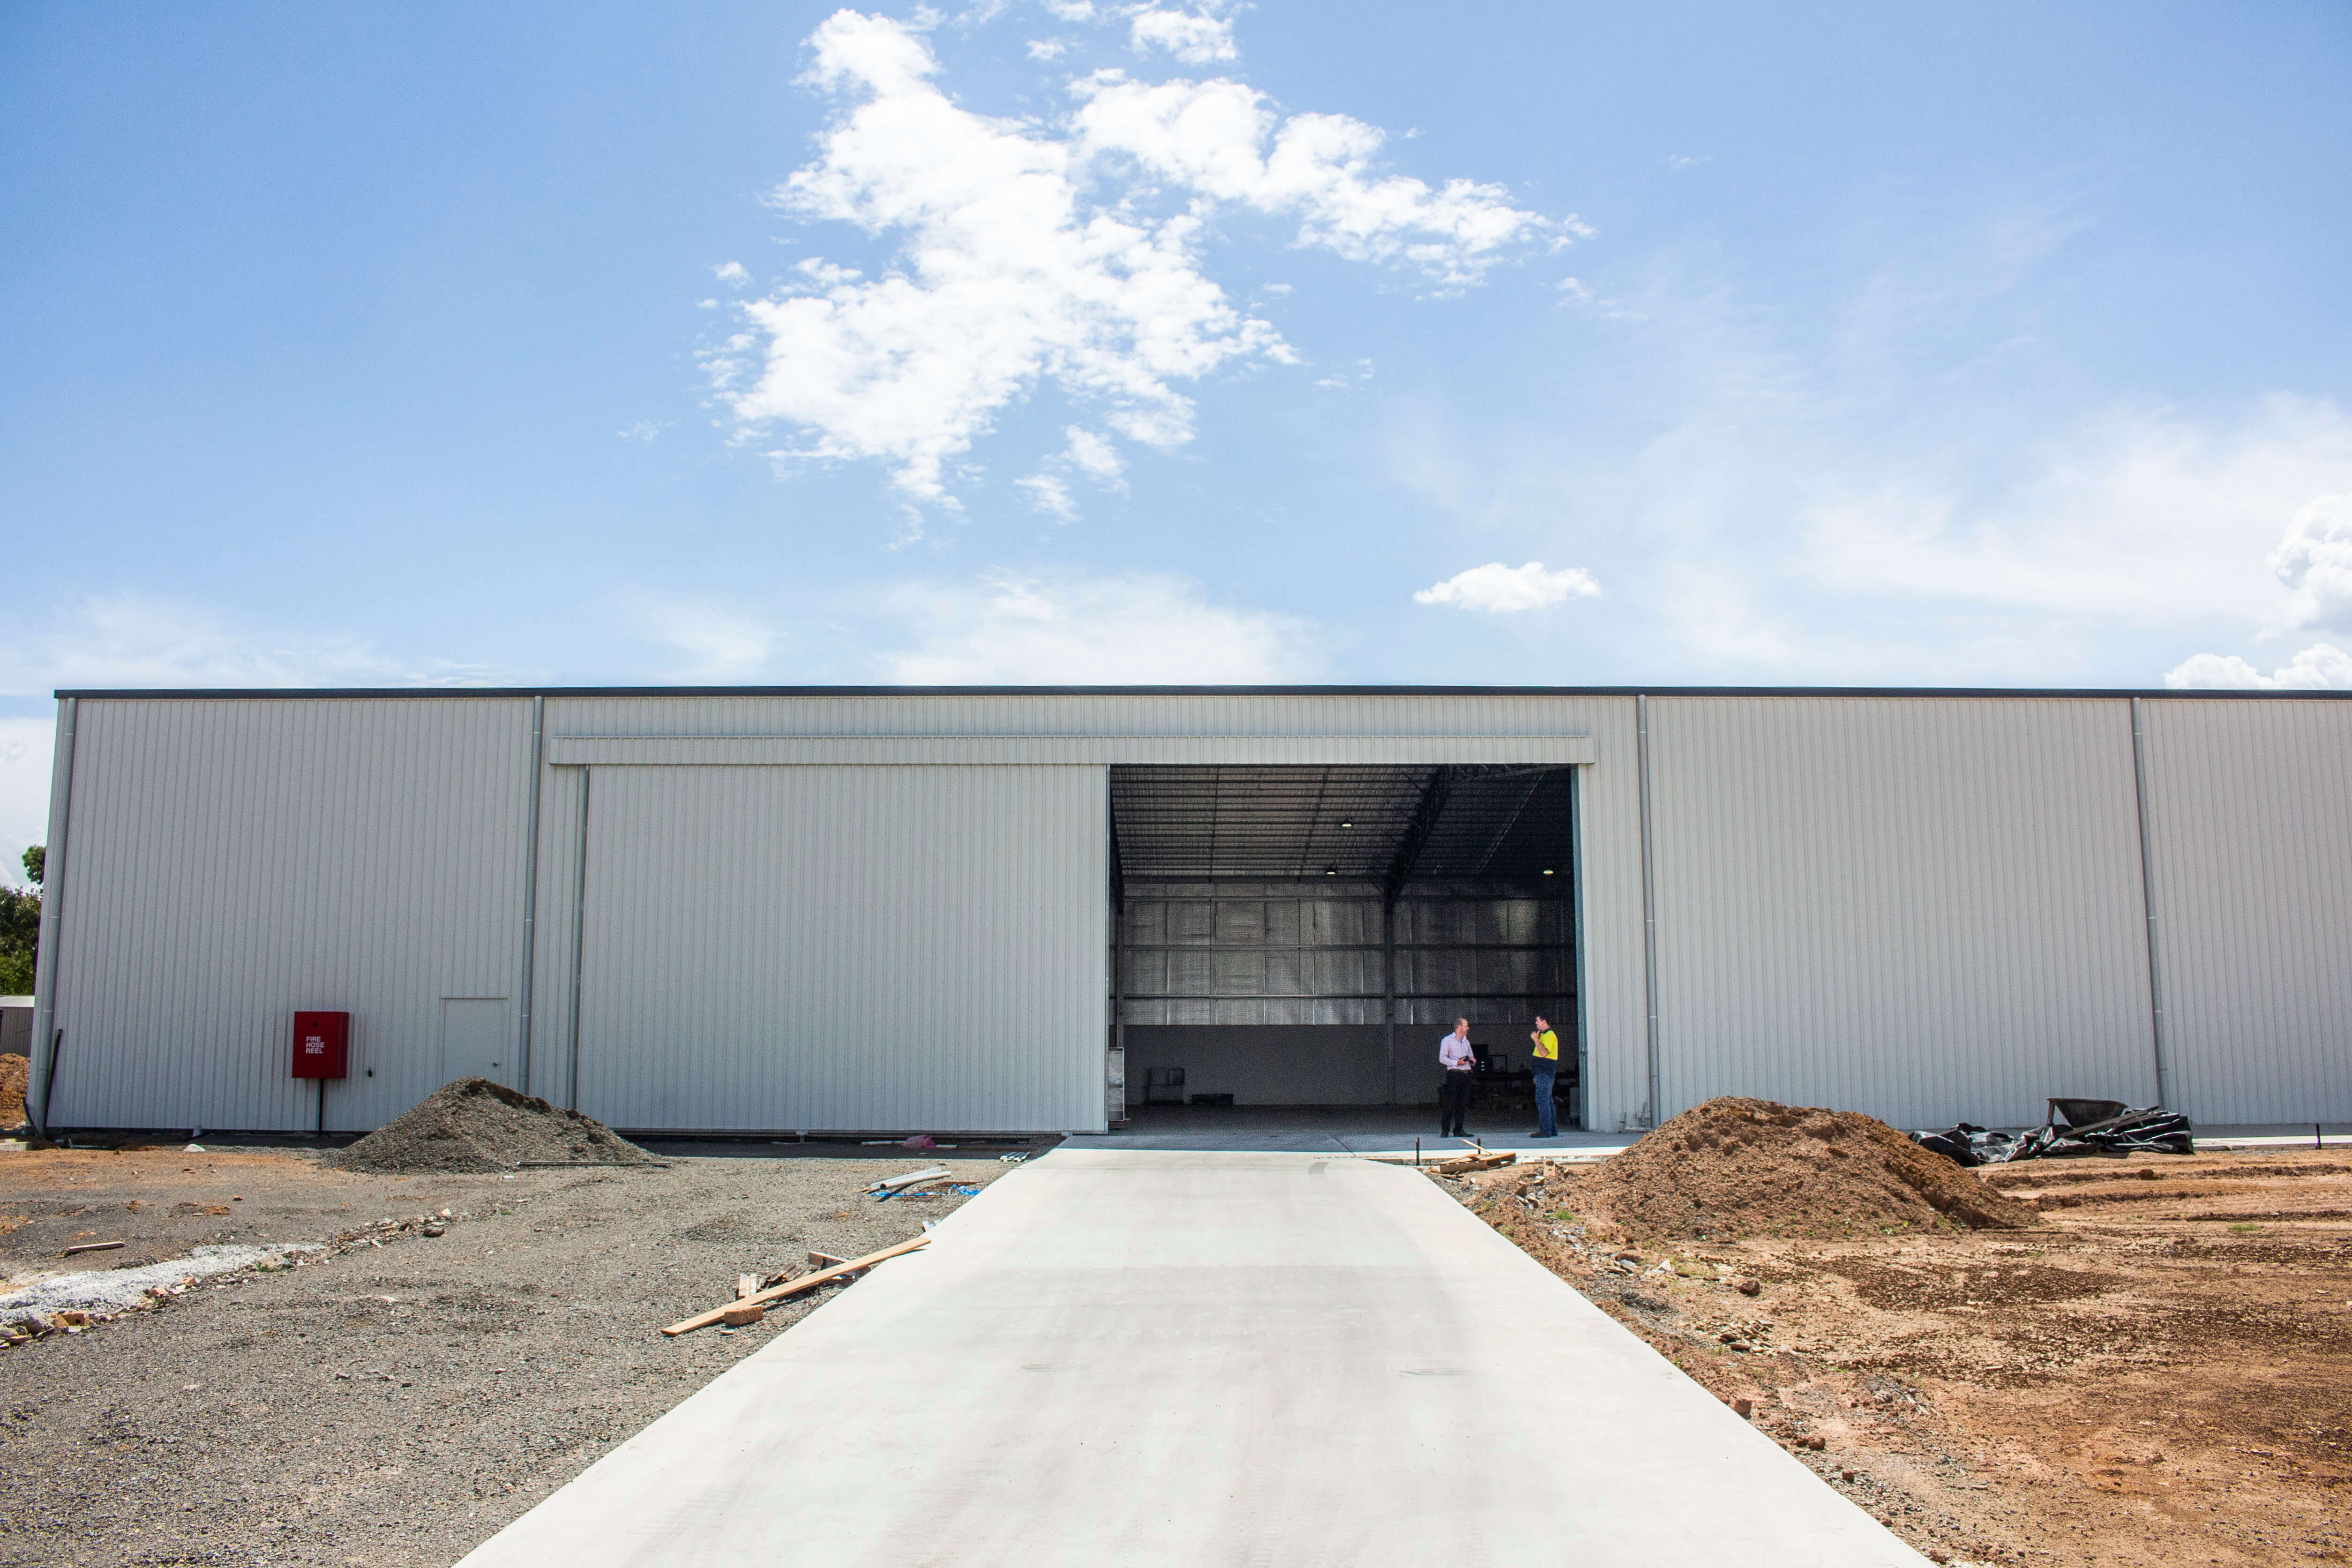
x=2075 y=1127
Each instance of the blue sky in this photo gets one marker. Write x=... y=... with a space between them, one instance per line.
x=1576 y=343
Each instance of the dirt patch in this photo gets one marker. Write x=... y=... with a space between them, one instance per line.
x=2129 y=1384
x=1735 y=1167
x=15 y=1072
x=476 y=1125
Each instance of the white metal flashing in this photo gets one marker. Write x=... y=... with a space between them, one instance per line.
x=1060 y=750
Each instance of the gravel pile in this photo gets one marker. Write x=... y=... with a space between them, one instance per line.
x=1736 y=1167
x=475 y=1125
x=14 y=1071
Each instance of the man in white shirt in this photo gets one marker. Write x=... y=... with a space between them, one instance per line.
x=1455 y=1055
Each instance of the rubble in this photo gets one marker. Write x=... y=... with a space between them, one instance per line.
x=109 y=1290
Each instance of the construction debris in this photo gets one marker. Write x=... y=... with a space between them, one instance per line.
x=105 y=1290
x=1468 y=1164
x=93 y=1246
x=2075 y=1126
x=793 y=1288
x=928 y=1174
x=903 y=1186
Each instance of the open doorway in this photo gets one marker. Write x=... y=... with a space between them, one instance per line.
x=1302 y=936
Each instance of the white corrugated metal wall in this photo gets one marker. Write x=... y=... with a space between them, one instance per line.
x=840 y=948
x=1926 y=906
x=232 y=862
x=1925 y=909
x=2251 y=838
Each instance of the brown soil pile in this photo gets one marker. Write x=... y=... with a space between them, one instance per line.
x=1736 y=1167
x=474 y=1124
x=14 y=1070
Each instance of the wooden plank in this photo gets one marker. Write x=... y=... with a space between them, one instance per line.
x=825 y=1261
x=794 y=1287
x=746 y=1285
x=1474 y=1162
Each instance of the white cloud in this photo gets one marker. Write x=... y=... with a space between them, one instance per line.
x=2134 y=513
x=1048 y=48
x=1585 y=299
x=1010 y=278
x=1222 y=141
x=1498 y=589
x=1032 y=254
x=718 y=644
x=731 y=273
x=1008 y=629
x=1049 y=495
x=137 y=640
x=1684 y=161
x=2319 y=667
x=645 y=430
x=1193 y=39
x=1072 y=10
x=2315 y=561
x=1093 y=457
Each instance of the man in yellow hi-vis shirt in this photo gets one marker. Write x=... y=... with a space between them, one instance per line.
x=1545 y=1060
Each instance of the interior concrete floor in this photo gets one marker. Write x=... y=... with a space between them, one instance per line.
x=1156 y=1356
x=1384 y=1132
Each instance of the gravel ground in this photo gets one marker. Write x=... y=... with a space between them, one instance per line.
x=401 y=1399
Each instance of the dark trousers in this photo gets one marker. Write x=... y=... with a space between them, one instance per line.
x=1453 y=1104
x=1547 y=1114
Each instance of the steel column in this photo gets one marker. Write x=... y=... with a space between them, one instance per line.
x=2147 y=904
x=531 y=882
x=1650 y=1112
x=53 y=897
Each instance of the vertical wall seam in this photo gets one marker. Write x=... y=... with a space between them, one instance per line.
x=1649 y=907
x=2147 y=907
x=579 y=937
x=52 y=921
x=530 y=886
x=1583 y=1106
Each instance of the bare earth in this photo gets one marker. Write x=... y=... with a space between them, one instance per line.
x=2159 y=1372
x=399 y=1400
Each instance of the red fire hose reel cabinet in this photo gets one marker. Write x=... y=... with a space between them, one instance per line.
x=322 y=1044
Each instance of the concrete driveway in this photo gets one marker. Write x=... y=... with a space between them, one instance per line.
x=1120 y=1357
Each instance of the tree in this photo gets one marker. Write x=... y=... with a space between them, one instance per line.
x=20 y=929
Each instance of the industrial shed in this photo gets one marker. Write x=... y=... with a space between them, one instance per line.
x=880 y=909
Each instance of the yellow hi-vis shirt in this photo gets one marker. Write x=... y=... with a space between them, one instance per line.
x=1547 y=1047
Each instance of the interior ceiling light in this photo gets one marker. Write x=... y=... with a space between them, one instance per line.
x=1330 y=870
x=1547 y=870
x=1345 y=822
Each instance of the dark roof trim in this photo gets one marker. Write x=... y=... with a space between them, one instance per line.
x=372 y=692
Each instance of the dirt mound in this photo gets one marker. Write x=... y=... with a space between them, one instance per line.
x=474 y=1124
x=14 y=1070
x=1753 y=1167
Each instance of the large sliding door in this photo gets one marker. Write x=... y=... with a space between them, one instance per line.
x=833 y=948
